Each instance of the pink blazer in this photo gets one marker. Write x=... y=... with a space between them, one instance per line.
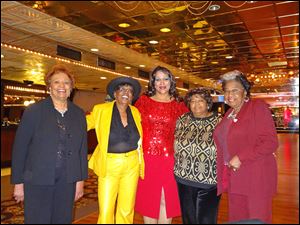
x=253 y=139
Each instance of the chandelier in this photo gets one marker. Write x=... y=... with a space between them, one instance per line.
x=164 y=8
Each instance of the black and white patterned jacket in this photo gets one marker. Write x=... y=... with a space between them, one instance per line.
x=195 y=150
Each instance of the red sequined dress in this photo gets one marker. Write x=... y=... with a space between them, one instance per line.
x=158 y=122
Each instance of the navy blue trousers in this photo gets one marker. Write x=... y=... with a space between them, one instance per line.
x=49 y=204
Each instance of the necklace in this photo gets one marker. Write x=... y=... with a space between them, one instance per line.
x=62 y=112
x=234 y=113
x=232 y=116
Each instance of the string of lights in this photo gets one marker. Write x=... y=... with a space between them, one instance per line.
x=165 y=8
x=74 y=63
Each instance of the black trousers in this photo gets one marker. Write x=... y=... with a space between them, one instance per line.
x=49 y=204
x=198 y=205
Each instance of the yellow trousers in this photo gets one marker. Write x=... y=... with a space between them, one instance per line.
x=117 y=190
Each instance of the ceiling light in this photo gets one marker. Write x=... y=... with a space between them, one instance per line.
x=214 y=7
x=214 y=62
x=176 y=77
x=229 y=57
x=127 y=67
x=94 y=49
x=124 y=25
x=165 y=30
x=26 y=103
x=142 y=66
x=153 y=42
x=279 y=63
x=103 y=78
x=35 y=6
x=2 y=56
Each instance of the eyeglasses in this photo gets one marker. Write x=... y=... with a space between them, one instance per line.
x=233 y=91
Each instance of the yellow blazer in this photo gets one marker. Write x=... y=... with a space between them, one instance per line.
x=100 y=120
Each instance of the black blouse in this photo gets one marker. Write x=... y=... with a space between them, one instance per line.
x=122 y=139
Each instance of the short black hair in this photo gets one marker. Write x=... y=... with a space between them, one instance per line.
x=203 y=92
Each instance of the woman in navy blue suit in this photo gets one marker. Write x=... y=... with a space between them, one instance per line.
x=49 y=160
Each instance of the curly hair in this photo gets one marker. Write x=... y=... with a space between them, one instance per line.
x=151 y=86
x=237 y=76
x=204 y=93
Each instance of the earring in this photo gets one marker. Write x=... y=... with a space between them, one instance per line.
x=246 y=99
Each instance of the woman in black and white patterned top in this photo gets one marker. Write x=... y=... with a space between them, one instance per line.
x=195 y=159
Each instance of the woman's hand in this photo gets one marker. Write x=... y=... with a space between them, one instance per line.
x=235 y=163
x=19 y=192
x=79 y=190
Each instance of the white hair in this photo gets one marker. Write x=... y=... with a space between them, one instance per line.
x=231 y=75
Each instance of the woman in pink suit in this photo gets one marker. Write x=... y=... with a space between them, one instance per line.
x=246 y=142
x=157 y=197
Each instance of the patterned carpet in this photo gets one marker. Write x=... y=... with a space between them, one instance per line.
x=13 y=213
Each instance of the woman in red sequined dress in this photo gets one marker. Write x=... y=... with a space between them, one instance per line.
x=157 y=197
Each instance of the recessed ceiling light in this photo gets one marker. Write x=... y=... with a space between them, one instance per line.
x=224 y=68
x=214 y=7
x=229 y=57
x=165 y=30
x=142 y=66
x=176 y=77
x=94 y=49
x=153 y=42
x=2 y=56
x=214 y=62
x=124 y=25
x=103 y=78
x=127 y=67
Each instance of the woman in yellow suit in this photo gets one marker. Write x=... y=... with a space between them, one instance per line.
x=117 y=160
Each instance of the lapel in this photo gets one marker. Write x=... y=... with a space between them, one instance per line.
x=104 y=123
x=49 y=119
x=137 y=122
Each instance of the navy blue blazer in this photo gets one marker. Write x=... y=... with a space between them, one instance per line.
x=36 y=141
